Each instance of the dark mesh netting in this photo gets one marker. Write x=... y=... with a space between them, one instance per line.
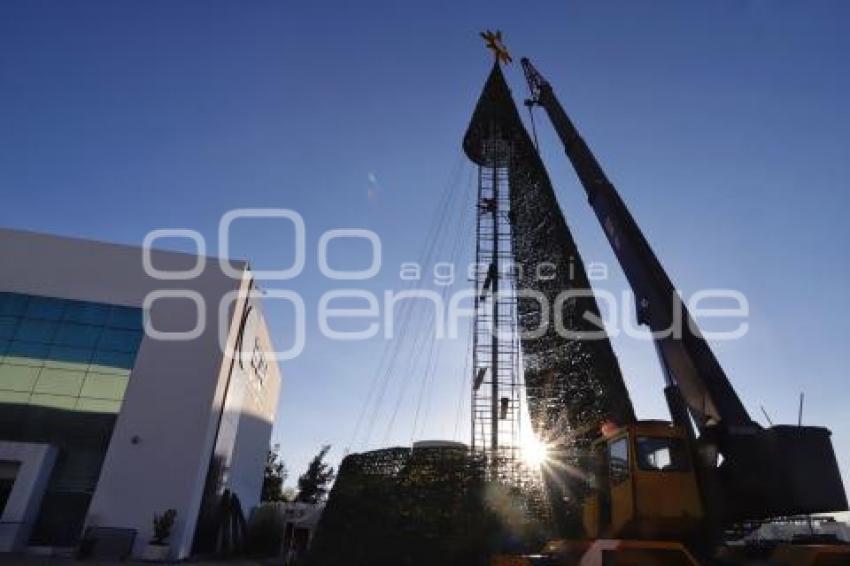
x=425 y=506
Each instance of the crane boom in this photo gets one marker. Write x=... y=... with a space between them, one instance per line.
x=686 y=358
x=780 y=471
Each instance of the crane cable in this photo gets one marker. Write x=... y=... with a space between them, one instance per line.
x=529 y=104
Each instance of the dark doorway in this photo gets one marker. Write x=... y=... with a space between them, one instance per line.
x=8 y=473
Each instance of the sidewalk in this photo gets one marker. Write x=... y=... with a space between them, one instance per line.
x=28 y=560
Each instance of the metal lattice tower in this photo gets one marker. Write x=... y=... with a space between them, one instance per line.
x=497 y=385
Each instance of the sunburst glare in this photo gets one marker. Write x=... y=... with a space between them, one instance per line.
x=534 y=451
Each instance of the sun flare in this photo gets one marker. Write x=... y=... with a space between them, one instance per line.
x=534 y=451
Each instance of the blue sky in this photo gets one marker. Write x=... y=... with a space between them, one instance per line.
x=724 y=124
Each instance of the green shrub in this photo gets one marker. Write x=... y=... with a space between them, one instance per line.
x=265 y=531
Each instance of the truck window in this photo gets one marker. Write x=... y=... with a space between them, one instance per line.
x=662 y=454
x=618 y=460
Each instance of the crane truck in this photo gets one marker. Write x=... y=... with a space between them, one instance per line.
x=664 y=492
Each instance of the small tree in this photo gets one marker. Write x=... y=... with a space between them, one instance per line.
x=274 y=476
x=314 y=485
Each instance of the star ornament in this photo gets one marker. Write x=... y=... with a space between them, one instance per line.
x=493 y=41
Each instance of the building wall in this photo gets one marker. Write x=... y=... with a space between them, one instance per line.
x=163 y=438
x=261 y=387
x=245 y=426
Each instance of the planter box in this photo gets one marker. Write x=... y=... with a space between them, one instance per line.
x=156 y=553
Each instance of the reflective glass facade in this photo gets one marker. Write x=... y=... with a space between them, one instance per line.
x=64 y=368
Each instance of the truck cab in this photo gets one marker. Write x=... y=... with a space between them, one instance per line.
x=643 y=484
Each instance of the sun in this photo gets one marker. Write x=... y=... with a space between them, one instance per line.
x=534 y=451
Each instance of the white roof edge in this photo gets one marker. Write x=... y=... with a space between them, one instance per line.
x=240 y=263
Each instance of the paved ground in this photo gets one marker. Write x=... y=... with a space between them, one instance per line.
x=21 y=560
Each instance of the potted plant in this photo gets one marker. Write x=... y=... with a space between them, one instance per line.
x=157 y=549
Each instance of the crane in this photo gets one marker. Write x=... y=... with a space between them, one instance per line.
x=713 y=465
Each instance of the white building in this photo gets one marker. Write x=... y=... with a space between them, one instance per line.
x=103 y=424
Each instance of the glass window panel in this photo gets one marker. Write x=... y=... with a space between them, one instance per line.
x=26 y=353
x=45 y=308
x=78 y=335
x=126 y=317
x=618 y=459
x=4 y=345
x=102 y=386
x=7 y=326
x=60 y=382
x=662 y=454
x=113 y=362
x=16 y=397
x=53 y=401
x=13 y=304
x=18 y=378
x=36 y=331
x=69 y=358
x=119 y=340
x=86 y=313
x=98 y=405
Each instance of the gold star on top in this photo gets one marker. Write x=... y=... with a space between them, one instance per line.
x=493 y=41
